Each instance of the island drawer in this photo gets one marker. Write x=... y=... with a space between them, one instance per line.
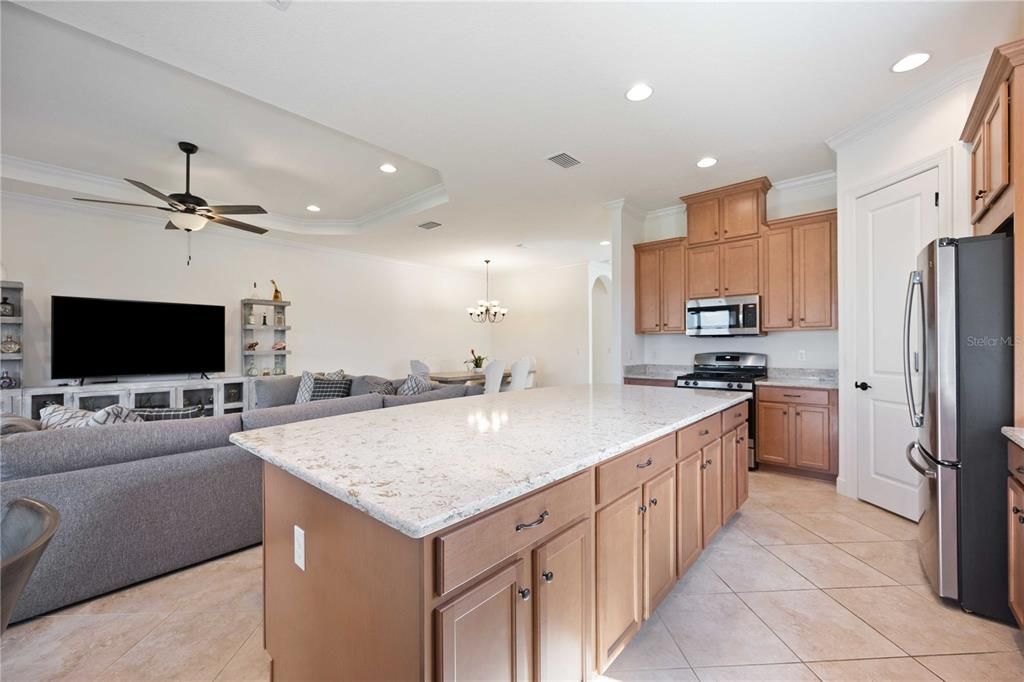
x=696 y=436
x=634 y=468
x=805 y=396
x=733 y=417
x=1016 y=461
x=470 y=550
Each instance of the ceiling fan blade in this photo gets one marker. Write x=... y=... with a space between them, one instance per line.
x=236 y=209
x=170 y=226
x=237 y=224
x=159 y=195
x=122 y=203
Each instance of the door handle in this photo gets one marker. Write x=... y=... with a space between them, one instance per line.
x=913 y=282
x=927 y=473
x=862 y=385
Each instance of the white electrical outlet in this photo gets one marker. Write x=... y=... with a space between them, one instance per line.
x=801 y=355
x=299 y=545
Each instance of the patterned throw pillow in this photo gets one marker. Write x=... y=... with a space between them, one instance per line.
x=159 y=414
x=326 y=389
x=306 y=384
x=415 y=385
x=115 y=414
x=385 y=388
x=60 y=417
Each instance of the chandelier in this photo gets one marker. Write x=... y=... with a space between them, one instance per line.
x=487 y=310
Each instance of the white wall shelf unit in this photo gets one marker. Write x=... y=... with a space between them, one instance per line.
x=264 y=321
x=12 y=325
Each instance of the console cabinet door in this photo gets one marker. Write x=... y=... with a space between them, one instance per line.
x=741 y=267
x=711 y=490
x=702 y=218
x=659 y=539
x=619 y=562
x=689 y=503
x=702 y=272
x=777 y=291
x=483 y=635
x=742 y=471
x=648 y=291
x=1015 y=507
x=673 y=318
x=811 y=437
x=562 y=607
x=815 y=274
x=773 y=433
x=728 y=475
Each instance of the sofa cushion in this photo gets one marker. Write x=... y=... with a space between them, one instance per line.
x=49 y=452
x=456 y=391
x=285 y=414
x=274 y=391
x=474 y=389
x=13 y=423
x=328 y=389
x=305 y=391
x=415 y=385
x=61 y=417
x=367 y=383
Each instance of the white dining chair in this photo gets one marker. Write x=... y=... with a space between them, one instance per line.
x=520 y=375
x=419 y=368
x=531 y=373
x=494 y=372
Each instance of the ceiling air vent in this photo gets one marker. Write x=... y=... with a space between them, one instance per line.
x=563 y=160
x=429 y=225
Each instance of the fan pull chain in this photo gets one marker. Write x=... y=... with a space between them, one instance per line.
x=188 y=237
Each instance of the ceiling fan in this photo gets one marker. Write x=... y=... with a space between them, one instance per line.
x=189 y=212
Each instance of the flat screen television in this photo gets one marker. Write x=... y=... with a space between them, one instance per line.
x=102 y=337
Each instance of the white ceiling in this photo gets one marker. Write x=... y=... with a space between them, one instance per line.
x=485 y=92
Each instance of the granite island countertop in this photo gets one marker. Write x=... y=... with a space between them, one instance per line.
x=421 y=468
x=1014 y=434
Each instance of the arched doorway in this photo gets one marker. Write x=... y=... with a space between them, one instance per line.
x=602 y=369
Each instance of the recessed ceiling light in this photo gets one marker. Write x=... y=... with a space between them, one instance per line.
x=911 y=62
x=388 y=168
x=707 y=162
x=639 y=92
x=605 y=243
x=313 y=208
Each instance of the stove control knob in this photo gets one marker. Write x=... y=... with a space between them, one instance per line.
x=695 y=383
x=729 y=385
x=686 y=383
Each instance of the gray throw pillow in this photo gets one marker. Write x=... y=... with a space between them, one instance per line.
x=160 y=414
x=384 y=388
x=306 y=384
x=415 y=385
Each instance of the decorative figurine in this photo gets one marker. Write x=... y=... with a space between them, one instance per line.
x=277 y=292
x=252 y=371
x=251 y=346
x=7 y=381
x=255 y=292
x=279 y=345
x=266 y=371
x=279 y=320
x=10 y=345
x=6 y=308
x=279 y=371
x=264 y=319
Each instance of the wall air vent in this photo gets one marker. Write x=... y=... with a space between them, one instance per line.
x=429 y=225
x=563 y=160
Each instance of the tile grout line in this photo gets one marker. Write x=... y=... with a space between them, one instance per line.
x=148 y=633
x=245 y=640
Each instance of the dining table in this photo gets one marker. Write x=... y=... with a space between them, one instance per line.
x=463 y=376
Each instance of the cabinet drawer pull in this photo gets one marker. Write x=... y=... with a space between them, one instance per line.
x=534 y=524
x=704 y=432
x=738 y=414
x=549 y=576
x=1020 y=518
x=793 y=395
x=644 y=465
x=524 y=593
x=654 y=501
x=1020 y=469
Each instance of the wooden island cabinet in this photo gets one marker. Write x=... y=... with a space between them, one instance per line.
x=1015 y=530
x=550 y=586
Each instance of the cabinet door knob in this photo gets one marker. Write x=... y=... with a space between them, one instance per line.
x=1018 y=510
x=524 y=593
x=654 y=501
x=548 y=576
x=709 y=462
x=798 y=414
x=980 y=194
x=803 y=319
x=643 y=508
x=704 y=432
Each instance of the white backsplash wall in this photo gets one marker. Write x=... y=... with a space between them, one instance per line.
x=360 y=313
x=820 y=348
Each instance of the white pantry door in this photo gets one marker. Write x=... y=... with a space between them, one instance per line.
x=893 y=225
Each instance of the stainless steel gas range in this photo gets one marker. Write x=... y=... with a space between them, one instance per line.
x=729 y=372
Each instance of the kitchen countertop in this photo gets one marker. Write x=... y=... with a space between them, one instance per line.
x=786 y=382
x=1014 y=434
x=777 y=376
x=421 y=468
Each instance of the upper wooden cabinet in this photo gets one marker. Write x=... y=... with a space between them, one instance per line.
x=798 y=284
x=659 y=287
x=703 y=272
x=740 y=267
x=730 y=212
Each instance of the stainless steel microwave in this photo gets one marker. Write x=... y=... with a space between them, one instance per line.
x=729 y=316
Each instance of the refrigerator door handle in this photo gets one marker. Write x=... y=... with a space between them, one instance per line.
x=924 y=471
x=916 y=419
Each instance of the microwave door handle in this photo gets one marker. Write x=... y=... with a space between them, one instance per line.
x=914 y=282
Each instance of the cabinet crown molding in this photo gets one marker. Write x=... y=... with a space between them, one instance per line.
x=1004 y=59
x=790 y=221
x=762 y=183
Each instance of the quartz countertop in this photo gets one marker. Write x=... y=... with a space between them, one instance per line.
x=805 y=382
x=421 y=468
x=1014 y=434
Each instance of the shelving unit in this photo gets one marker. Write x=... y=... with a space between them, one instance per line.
x=13 y=325
x=263 y=360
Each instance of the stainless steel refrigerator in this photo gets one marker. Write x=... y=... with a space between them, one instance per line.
x=958 y=370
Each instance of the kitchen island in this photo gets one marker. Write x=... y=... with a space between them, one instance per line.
x=509 y=536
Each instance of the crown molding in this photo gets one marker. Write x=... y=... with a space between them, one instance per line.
x=626 y=208
x=91 y=184
x=822 y=178
x=966 y=71
x=679 y=209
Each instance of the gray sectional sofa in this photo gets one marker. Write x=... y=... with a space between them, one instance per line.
x=140 y=500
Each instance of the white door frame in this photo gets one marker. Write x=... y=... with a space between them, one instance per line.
x=846 y=482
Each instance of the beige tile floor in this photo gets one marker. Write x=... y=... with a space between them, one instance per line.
x=803 y=584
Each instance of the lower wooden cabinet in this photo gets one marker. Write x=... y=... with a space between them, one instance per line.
x=484 y=634
x=619 y=573
x=561 y=580
x=711 y=490
x=1015 y=536
x=659 y=538
x=810 y=437
x=742 y=472
x=797 y=429
x=689 y=483
x=773 y=433
x=729 y=483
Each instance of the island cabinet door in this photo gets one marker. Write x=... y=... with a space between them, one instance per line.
x=728 y=475
x=711 y=490
x=562 y=605
x=773 y=433
x=659 y=539
x=619 y=539
x=742 y=473
x=689 y=503
x=1015 y=537
x=485 y=633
